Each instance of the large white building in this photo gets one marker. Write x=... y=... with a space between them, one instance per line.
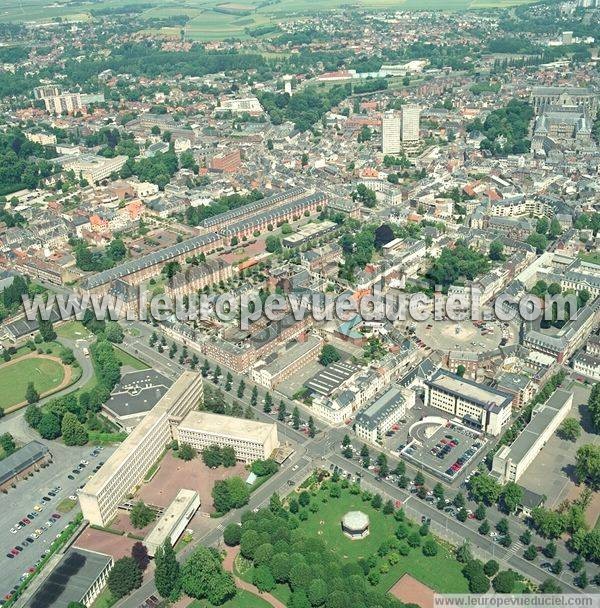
x=251 y=440
x=474 y=404
x=390 y=129
x=411 y=123
x=511 y=461
x=372 y=423
x=173 y=521
x=400 y=132
x=90 y=167
x=127 y=466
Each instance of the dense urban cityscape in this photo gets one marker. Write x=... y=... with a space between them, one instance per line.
x=299 y=303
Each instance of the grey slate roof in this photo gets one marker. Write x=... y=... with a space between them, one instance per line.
x=18 y=461
x=163 y=255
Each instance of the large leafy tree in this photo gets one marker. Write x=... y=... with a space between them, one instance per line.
x=124 y=577
x=166 y=574
x=587 y=465
x=141 y=515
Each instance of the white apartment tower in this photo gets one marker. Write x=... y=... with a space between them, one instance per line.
x=390 y=129
x=411 y=119
x=401 y=131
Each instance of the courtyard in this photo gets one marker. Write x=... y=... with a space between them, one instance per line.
x=465 y=336
x=174 y=474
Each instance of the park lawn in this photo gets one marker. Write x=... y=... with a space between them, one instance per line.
x=243 y=599
x=592 y=258
x=73 y=330
x=129 y=360
x=442 y=572
x=45 y=374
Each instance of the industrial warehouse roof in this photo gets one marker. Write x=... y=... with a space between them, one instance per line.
x=145 y=261
x=70 y=580
x=18 y=461
x=330 y=378
x=22 y=327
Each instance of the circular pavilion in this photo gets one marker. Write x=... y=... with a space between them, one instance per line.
x=355 y=525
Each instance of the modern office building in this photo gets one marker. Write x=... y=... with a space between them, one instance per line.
x=477 y=405
x=173 y=521
x=78 y=577
x=251 y=440
x=128 y=465
x=372 y=423
x=511 y=461
x=91 y=167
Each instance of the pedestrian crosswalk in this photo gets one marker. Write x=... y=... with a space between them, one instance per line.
x=515 y=548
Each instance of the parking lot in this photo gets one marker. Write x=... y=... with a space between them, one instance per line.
x=28 y=513
x=447 y=452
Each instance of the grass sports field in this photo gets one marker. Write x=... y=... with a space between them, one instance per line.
x=218 y=19
x=46 y=374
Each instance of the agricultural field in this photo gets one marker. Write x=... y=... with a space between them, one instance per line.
x=218 y=19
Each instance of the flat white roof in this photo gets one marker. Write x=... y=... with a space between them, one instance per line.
x=171 y=517
x=229 y=426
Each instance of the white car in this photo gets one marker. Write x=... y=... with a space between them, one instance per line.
x=84 y=462
x=72 y=497
x=295 y=467
x=13 y=531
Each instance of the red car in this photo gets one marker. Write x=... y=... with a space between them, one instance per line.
x=31 y=569
x=14 y=551
x=55 y=516
x=25 y=521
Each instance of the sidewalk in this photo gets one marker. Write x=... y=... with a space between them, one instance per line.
x=228 y=563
